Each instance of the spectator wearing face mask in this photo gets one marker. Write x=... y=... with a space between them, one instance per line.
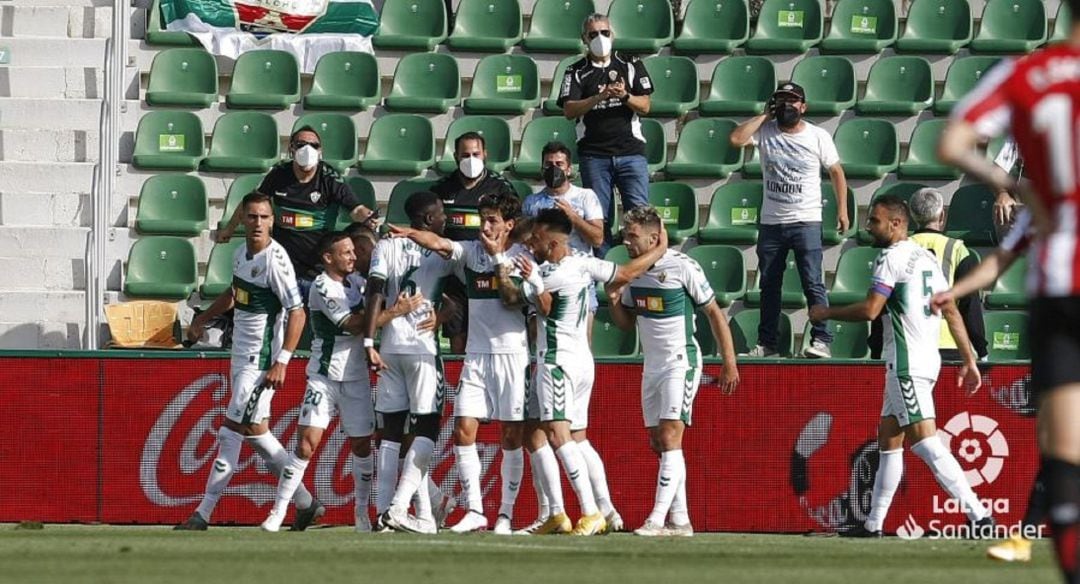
x=579 y=204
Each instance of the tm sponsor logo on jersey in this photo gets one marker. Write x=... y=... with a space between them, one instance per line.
x=650 y=303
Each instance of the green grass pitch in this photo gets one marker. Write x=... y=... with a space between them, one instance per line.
x=87 y=554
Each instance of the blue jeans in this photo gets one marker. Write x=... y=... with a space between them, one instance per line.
x=774 y=242
x=602 y=173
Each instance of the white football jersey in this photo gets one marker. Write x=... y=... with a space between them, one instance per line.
x=335 y=354
x=264 y=290
x=410 y=268
x=494 y=328
x=562 y=335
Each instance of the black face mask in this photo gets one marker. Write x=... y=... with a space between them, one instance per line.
x=554 y=177
x=787 y=115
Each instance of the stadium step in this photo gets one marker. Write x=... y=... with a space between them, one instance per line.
x=49 y=145
x=28 y=209
x=41 y=319
x=49 y=114
x=51 y=82
x=57 y=19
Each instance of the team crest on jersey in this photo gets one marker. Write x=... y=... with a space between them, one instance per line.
x=662 y=277
x=315 y=196
x=254 y=271
x=612 y=74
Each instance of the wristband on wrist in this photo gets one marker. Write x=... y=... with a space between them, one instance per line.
x=369 y=342
x=284 y=356
x=499 y=258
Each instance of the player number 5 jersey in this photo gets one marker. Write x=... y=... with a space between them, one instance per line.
x=336 y=354
x=264 y=289
x=409 y=268
x=562 y=334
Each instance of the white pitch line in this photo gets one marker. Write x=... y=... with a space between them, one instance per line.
x=476 y=543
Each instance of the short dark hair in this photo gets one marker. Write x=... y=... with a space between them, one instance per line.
x=328 y=240
x=357 y=231
x=644 y=216
x=467 y=137
x=419 y=203
x=1074 y=10
x=555 y=147
x=554 y=220
x=895 y=205
x=508 y=206
x=256 y=197
x=304 y=128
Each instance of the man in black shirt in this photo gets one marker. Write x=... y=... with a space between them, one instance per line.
x=607 y=91
x=308 y=195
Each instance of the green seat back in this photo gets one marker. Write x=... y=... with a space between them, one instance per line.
x=724 y=268
x=337 y=134
x=243 y=142
x=675 y=85
x=172 y=204
x=496 y=133
x=425 y=82
x=1011 y=26
x=344 y=80
x=400 y=141
x=964 y=73
x=168 y=140
x=161 y=267
x=641 y=25
x=486 y=25
x=922 y=159
x=264 y=78
x=551 y=106
x=507 y=84
x=1010 y=290
x=655 y=144
x=183 y=77
x=219 y=269
x=704 y=149
x=744 y=332
x=787 y=26
x=1007 y=335
x=829 y=83
x=849 y=339
x=395 y=207
x=713 y=26
x=861 y=26
x=522 y=188
x=609 y=340
x=240 y=187
x=740 y=85
x=971 y=215
x=829 y=233
x=618 y=255
x=555 y=26
x=853 y=273
x=411 y=24
x=539 y=132
x=898 y=85
x=157 y=34
x=1062 y=23
x=677 y=205
x=868 y=148
x=936 y=26
x=733 y=213
x=791 y=291
x=365 y=193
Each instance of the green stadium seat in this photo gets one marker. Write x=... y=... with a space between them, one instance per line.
x=733 y=214
x=219 y=269
x=609 y=340
x=536 y=134
x=497 y=140
x=675 y=86
x=829 y=83
x=240 y=187
x=849 y=339
x=504 y=84
x=853 y=273
x=555 y=26
x=416 y=25
x=903 y=190
x=243 y=142
x=861 y=26
x=425 y=82
x=712 y=27
x=868 y=147
x=156 y=34
x=704 y=150
x=168 y=140
x=395 y=206
x=1062 y=23
x=787 y=26
x=1010 y=291
x=183 y=77
x=830 y=235
x=936 y=26
x=172 y=204
x=725 y=269
x=791 y=291
x=1010 y=26
x=641 y=26
x=399 y=144
x=1007 y=335
x=971 y=216
x=161 y=267
x=486 y=26
x=345 y=80
x=677 y=205
x=898 y=86
x=740 y=86
x=752 y=167
x=962 y=76
x=550 y=105
x=264 y=79
x=655 y=144
x=364 y=191
x=994 y=146
x=337 y=133
x=744 y=333
x=522 y=188
x=922 y=160
x=616 y=254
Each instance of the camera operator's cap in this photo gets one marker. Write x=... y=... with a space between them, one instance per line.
x=791 y=89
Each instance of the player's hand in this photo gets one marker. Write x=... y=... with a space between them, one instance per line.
x=428 y=324
x=1004 y=208
x=224 y=235
x=614 y=296
x=275 y=378
x=729 y=378
x=407 y=304
x=969 y=377
x=396 y=231
x=195 y=330
x=843 y=223
x=492 y=245
x=819 y=313
x=375 y=362
x=663 y=236
x=941 y=300
x=524 y=266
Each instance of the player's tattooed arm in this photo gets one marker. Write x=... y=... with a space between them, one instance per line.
x=639 y=265
x=425 y=239
x=510 y=289
x=222 y=304
x=984 y=274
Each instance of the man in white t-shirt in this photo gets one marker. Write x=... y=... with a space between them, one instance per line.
x=793 y=152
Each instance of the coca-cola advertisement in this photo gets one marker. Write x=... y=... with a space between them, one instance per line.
x=792 y=450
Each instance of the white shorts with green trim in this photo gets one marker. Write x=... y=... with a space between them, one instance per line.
x=564 y=391
x=669 y=394
x=492 y=387
x=908 y=399
x=349 y=400
x=250 y=401
x=412 y=383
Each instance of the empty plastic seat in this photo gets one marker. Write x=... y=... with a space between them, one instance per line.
x=724 y=268
x=849 y=339
x=922 y=160
x=744 y=333
x=655 y=144
x=1007 y=335
x=830 y=235
x=740 y=86
x=1062 y=23
x=868 y=147
x=486 y=25
x=609 y=340
x=504 y=84
x=829 y=83
x=401 y=144
x=496 y=133
x=964 y=73
x=156 y=34
x=425 y=82
x=411 y=25
x=861 y=26
x=752 y=168
x=971 y=215
x=219 y=269
x=264 y=79
x=536 y=134
x=172 y=204
x=1010 y=289
x=641 y=26
x=853 y=273
x=345 y=80
x=168 y=140
x=733 y=214
x=704 y=150
x=243 y=142
x=904 y=190
x=395 y=206
x=677 y=205
x=787 y=26
x=791 y=291
x=616 y=254
x=337 y=133
x=898 y=85
x=711 y=26
x=1010 y=26
x=183 y=77
x=239 y=188
x=161 y=267
x=555 y=26
x=522 y=188
x=675 y=85
x=936 y=26
x=551 y=105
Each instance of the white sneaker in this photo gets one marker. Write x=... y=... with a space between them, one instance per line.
x=362 y=522
x=273 y=522
x=398 y=520
x=443 y=509
x=650 y=529
x=614 y=522
x=685 y=530
x=818 y=350
x=531 y=528
x=760 y=352
x=425 y=525
x=472 y=521
x=502 y=525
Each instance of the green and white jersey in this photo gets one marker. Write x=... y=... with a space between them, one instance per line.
x=409 y=268
x=336 y=354
x=908 y=276
x=562 y=335
x=494 y=328
x=665 y=299
x=264 y=290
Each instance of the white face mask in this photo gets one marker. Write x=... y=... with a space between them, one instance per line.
x=600 y=46
x=472 y=167
x=307 y=157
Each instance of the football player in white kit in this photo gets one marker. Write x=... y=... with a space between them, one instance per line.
x=564 y=364
x=664 y=300
x=905 y=279
x=268 y=321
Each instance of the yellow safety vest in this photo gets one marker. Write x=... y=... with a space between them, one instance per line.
x=949 y=253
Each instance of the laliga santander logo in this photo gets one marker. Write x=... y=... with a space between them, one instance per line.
x=977 y=438
x=910 y=529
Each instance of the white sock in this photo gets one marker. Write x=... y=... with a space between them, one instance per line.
x=544 y=510
x=421 y=500
x=276 y=457
x=574 y=465
x=363 y=467
x=680 y=514
x=886 y=481
x=513 y=467
x=292 y=476
x=228 y=457
x=549 y=476
x=671 y=474
x=950 y=476
x=468 y=463
x=387 y=477
x=413 y=473
x=597 y=476
x=434 y=493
